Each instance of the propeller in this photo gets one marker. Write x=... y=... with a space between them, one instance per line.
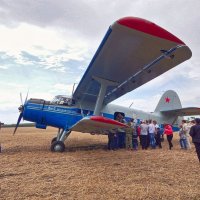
x=26 y=97
x=21 y=98
x=18 y=121
x=21 y=110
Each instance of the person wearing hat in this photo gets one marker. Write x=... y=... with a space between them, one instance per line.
x=195 y=134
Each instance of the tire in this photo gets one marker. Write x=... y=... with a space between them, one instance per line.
x=58 y=146
x=53 y=140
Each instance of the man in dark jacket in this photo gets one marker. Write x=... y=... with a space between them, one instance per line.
x=195 y=134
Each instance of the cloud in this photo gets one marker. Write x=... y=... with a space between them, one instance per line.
x=60 y=14
x=92 y=17
x=62 y=88
x=44 y=48
x=3 y=67
x=29 y=57
x=36 y=39
x=145 y=103
x=9 y=114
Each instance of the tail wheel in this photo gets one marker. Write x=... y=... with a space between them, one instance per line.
x=57 y=146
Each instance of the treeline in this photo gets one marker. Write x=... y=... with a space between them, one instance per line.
x=21 y=125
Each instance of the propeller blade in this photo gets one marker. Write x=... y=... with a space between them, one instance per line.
x=18 y=121
x=26 y=97
x=21 y=98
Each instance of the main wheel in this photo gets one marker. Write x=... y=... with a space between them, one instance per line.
x=57 y=146
x=53 y=140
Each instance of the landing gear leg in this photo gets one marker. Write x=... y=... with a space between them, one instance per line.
x=57 y=143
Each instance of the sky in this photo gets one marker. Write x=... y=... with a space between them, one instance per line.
x=46 y=46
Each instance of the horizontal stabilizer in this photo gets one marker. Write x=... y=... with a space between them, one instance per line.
x=97 y=125
x=183 y=111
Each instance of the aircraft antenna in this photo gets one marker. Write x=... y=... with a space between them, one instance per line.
x=73 y=89
x=131 y=105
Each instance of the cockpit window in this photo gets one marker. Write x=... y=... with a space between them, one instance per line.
x=62 y=100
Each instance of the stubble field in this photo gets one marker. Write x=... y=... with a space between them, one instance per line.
x=28 y=170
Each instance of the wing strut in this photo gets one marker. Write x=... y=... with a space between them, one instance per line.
x=104 y=84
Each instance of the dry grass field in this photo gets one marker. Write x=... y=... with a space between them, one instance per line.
x=28 y=170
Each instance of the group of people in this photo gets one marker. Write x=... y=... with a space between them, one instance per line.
x=149 y=134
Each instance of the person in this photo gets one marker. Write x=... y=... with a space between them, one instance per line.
x=169 y=132
x=182 y=140
x=135 y=138
x=158 y=136
x=151 y=129
x=129 y=133
x=144 y=134
x=185 y=130
x=138 y=129
x=162 y=133
x=148 y=141
x=111 y=140
x=195 y=134
x=116 y=141
x=121 y=133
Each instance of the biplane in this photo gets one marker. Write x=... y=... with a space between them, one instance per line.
x=133 y=52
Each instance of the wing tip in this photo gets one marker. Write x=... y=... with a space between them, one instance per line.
x=148 y=27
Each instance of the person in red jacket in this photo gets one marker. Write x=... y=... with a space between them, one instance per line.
x=169 y=132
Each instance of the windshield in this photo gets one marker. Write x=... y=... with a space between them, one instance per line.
x=63 y=100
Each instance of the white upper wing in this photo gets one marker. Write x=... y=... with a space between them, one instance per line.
x=133 y=52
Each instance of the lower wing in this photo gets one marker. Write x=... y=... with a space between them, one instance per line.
x=97 y=125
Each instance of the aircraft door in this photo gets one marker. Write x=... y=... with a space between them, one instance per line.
x=42 y=119
x=41 y=114
x=119 y=115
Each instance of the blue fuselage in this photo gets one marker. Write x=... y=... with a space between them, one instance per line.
x=44 y=113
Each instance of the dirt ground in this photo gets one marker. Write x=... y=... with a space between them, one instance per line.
x=28 y=170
